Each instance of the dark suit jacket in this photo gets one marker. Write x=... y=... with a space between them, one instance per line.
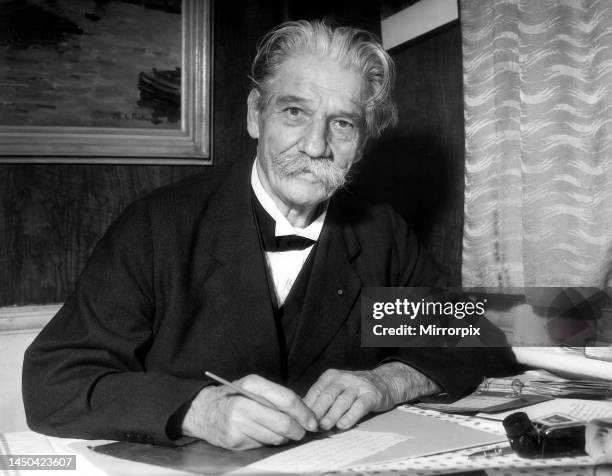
x=177 y=286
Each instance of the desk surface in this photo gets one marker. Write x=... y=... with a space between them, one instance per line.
x=92 y=464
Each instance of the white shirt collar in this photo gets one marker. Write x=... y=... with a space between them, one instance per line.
x=283 y=227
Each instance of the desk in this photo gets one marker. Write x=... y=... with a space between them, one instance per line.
x=458 y=461
x=93 y=464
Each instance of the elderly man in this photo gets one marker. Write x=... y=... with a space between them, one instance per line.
x=258 y=280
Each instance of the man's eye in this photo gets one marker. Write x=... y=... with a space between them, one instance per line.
x=344 y=124
x=293 y=111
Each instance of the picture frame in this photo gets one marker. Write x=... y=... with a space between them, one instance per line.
x=188 y=143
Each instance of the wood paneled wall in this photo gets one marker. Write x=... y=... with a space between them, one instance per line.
x=51 y=216
x=419 y=166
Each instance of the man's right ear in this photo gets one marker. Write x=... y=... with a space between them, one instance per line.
x=253 y=113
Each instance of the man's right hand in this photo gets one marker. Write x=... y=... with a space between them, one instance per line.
x=224 y=418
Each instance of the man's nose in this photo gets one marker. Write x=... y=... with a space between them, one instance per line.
x=314 y=141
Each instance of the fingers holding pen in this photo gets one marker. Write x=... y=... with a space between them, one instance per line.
x=226 y=417
x=262 y=424
x=282 y=398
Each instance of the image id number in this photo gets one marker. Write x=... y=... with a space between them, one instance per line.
x=24 y=462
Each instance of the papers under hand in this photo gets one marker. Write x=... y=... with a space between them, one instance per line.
x=333 y=453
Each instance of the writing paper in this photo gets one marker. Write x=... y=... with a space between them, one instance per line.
x=329 y=454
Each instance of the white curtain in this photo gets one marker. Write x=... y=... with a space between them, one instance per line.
x=538 y=114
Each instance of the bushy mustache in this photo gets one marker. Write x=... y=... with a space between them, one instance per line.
x=324 y=169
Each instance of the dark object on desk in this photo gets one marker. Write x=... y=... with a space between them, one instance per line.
x=544 y=440
x=522 y=435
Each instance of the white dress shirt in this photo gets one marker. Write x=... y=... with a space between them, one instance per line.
x=284 y=266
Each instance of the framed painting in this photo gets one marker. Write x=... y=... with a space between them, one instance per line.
x=105 y=81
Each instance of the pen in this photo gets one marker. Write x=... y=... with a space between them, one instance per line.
x=261 y=400
x=241 y=391
x=489 y=453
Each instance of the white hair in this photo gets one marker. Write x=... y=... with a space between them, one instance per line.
x=353 y=48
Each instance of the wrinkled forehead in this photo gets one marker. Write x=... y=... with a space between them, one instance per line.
x=318 y=79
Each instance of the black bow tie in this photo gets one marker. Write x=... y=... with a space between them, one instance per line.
x=267 y=227
x=288 y=243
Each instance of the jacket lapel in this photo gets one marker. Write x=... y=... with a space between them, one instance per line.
x=237 y=286
x=332 y=290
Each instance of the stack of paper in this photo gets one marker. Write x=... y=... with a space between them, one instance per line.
x=572 y=388
x=540 y=382
x=582 y=410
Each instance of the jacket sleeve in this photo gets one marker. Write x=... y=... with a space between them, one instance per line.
x=84 y=375
x=457 y=367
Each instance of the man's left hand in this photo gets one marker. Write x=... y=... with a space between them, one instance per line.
x=341 y=398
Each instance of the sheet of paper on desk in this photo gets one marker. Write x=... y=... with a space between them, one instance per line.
x=430 y=435
x=580 y=409
x=413 y=435
x=333 y=453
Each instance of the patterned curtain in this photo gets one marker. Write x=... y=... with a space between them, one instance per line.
x=538 y=114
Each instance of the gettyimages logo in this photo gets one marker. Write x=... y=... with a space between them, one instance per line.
x=414 y=309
